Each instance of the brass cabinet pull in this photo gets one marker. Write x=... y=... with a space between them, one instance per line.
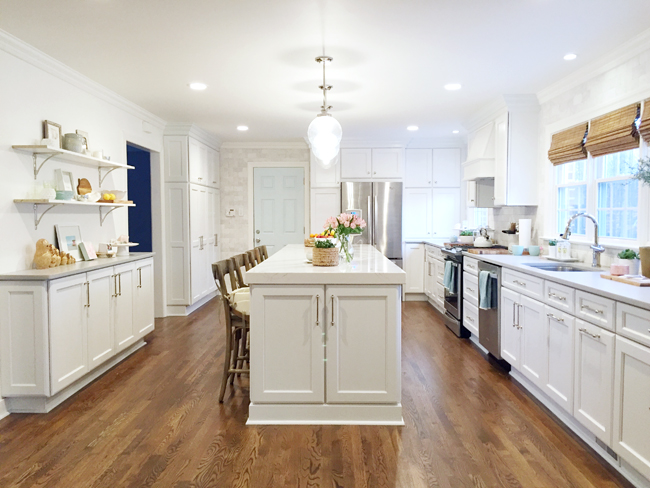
x=514 y=322
x=216 y=240
x=139 y=277
x=317 y=311
x=119 y=276
x=332 y=324
x=553 y=295
x=557 y=319
x=594 y=310
x=585 y=331
x=115 y=286
x=87 y=283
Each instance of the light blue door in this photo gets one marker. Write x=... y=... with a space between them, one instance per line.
x=279 y=208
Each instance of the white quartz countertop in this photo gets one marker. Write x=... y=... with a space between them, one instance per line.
x=290 y=267
x=438 y=242
x=589 y=281
x=72 y=269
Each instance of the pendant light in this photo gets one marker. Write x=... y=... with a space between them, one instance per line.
x=324 y=132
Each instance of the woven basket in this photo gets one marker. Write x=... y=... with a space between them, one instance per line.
x=326 y=256
x=310 y=242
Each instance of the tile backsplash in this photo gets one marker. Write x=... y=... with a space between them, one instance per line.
x=499 y=218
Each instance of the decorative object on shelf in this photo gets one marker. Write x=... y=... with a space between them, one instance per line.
x=43 y=254
x=642 y=172
x=122 y=244
x=106 y=250
x=56 y=257
x=325 y=253
x=87 y=251
x=48 y=192
x=342 y=227
x=108 y=197
x=74 y=142
x=631 y=259
x=98 y=154
x=552 y=248
x=52 y=132
x=85 y=136
x=324 y=132
x=64 y=195
x=84 y=187
x=69 y=237
x=64 y=180
x=466 y=237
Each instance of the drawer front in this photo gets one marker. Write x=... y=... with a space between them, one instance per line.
x=440 y=272
x=470 y=265
x=559 y=296
x=439 y=293
x=523 y=283
x=436 y=252
x=470 y=317
x=470 y=288
x=595 y=309
x=633 y=323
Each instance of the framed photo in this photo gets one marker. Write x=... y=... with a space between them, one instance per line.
x=69 y=238
x=64 y=181
x=52 y=130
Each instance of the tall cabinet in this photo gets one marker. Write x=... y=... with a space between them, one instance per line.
x=193 y=215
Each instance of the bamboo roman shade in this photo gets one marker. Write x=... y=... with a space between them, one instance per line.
x=614 y=132
x=568 y=145
x=645 y=122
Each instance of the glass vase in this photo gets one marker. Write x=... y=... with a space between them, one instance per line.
x=347 y=251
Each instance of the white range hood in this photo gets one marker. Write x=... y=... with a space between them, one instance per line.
x=480 y=154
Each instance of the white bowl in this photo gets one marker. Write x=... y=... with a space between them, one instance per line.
x=119 y=194
x=309 y=253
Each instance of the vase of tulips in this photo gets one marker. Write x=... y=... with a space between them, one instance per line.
x=344 y=227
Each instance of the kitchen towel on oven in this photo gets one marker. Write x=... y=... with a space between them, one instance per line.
x=449 y=281
x=487 y=292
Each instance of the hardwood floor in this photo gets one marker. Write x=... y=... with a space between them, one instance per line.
x=154 y=420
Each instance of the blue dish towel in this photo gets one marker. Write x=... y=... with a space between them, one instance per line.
x=487 y=291
x=449 y=281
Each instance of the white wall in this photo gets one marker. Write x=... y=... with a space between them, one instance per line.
x=34 y=87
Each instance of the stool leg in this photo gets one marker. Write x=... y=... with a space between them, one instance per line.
x=226 y=364
x=235 y=348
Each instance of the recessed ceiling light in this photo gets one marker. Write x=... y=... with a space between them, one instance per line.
x=453 y=86
x=412 y=127
x=570 y=57
x=455 y=132
x=198 y=86
x=242 y=128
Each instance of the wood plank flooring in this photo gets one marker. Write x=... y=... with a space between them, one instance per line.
x=154 y=421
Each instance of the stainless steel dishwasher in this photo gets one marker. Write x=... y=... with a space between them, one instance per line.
x=489 y=320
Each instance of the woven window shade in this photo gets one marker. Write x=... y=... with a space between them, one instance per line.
x=645 y=122
x=568 y=145
x=614 y=132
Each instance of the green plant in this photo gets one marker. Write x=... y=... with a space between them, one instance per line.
x=642 y=172
x=466 y=233
x=324 y=244
x=552 y=242
x=628 y=254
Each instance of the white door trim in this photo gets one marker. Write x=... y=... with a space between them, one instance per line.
x=251 y=191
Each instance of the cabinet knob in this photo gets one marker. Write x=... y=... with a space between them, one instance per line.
x=435 y=182
x=429 y=182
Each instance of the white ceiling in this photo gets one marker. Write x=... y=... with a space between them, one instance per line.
x=391 y=58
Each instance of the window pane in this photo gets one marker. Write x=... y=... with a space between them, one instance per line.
x=570 y=201
x=480 y=217
x=618 y=164
x=617 y=208
x=571 y=172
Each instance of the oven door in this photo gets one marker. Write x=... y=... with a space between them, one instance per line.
x=453 y=298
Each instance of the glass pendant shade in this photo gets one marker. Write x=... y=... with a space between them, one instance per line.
x=324 y=136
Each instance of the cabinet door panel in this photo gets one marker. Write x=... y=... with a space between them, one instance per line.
x=417 y=213
x=594 y=366
x=414 y=267
x=101 y=338
x=445 y=211
x=510 y=332
x=287 y=342
x=68 y=333
x=356 y=164
x=387 y=163
x=559 y=378
x=143 y=313
x=123 y=282
x=534 y=341
x=501 y=160
x=361 y=370
x=419 y=168
x=632 y=401
x=446 y=167
x=325 y=202
x=195 y=162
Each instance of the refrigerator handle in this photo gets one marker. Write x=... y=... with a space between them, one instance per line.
x=374 y=218
x=371 y=223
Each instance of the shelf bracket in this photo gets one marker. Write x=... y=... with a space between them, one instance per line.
x=37 y=219
x=37 y=168
x=102 y=178
x=103 y=215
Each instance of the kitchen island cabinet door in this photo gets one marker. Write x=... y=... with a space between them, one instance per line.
x=510 y=328
x=287 y=344
x=594 y=379
x=68 y=332
x=631 y=402
x=363 y=344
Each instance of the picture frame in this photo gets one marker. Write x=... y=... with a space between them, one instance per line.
x=65 y=181
x=52 y=131
x=68 y=237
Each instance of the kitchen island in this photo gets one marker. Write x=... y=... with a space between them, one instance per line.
x=326 y=341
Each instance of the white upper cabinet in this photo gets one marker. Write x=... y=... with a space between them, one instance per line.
x=387 y=163
x=368 y=164
x=325 y=202
x=446 y=167
x=445 y=211
x=324 y=177
x=188 y=160
x=417 y=221
x=356 y=164
x=419 y=168
x=176 y=159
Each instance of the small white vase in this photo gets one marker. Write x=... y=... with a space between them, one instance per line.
x=633 y=265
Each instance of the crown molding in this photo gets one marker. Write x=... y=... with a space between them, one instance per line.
x=192 y=130
x=40 y=60
x=611 y=60
x=436 y=142
x=487 y=114
x=265 y=145
x=373 y=143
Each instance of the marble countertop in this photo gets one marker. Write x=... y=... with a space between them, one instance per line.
x=589 y=281
x=72 y=269
x=290 y=267
x=438 y=242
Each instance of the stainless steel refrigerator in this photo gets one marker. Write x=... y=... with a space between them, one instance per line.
x=380 y=205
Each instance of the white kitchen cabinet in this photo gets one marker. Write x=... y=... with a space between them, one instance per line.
x=414 y=266
x=68 y=333
x=417 y=213
x=214 y=169
x=594 y=379
x=418 y=168
x=325 y=203
x=359 y=370
x=99 y=313
x=560 y=338
x=324 y=177
x=510 y=328
x=471 y=194
x=480 y=193
x=631 y=426
x=445 y=211
x=123 y=294
x=534 y=346
x=143 y=312
x=356 y=164
x=387 y=163
x=470 y=317
x=211 y=241
x=429 y=277
x=446 y=167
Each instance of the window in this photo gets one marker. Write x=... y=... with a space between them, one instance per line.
x=480 y=218
x=571 y=179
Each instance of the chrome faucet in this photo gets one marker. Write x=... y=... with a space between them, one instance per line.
x=597 y=249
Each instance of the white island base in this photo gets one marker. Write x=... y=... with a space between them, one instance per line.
x=326 y=341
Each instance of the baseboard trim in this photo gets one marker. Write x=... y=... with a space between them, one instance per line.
x=3 y=409
x=42 y=404
x=184 y=311
x=415 y=297
x=285 y=414
x=627 y=471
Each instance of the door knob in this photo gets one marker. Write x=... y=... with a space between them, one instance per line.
x=257 y=231
x=257 y=240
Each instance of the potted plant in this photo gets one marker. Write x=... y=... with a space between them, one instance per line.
x=344 y=227
x=325 y=253
x=642 y=172
x=631 y=259
x=552 y=248
x=466 y=237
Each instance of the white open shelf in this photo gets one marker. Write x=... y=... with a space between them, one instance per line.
x=41 y=202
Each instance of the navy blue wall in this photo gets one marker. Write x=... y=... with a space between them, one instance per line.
x=139 y=187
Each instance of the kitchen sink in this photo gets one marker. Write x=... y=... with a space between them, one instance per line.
x=565 y=268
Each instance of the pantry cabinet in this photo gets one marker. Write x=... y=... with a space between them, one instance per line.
x=445 y=207
x=418 y=168
x=417 y=215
